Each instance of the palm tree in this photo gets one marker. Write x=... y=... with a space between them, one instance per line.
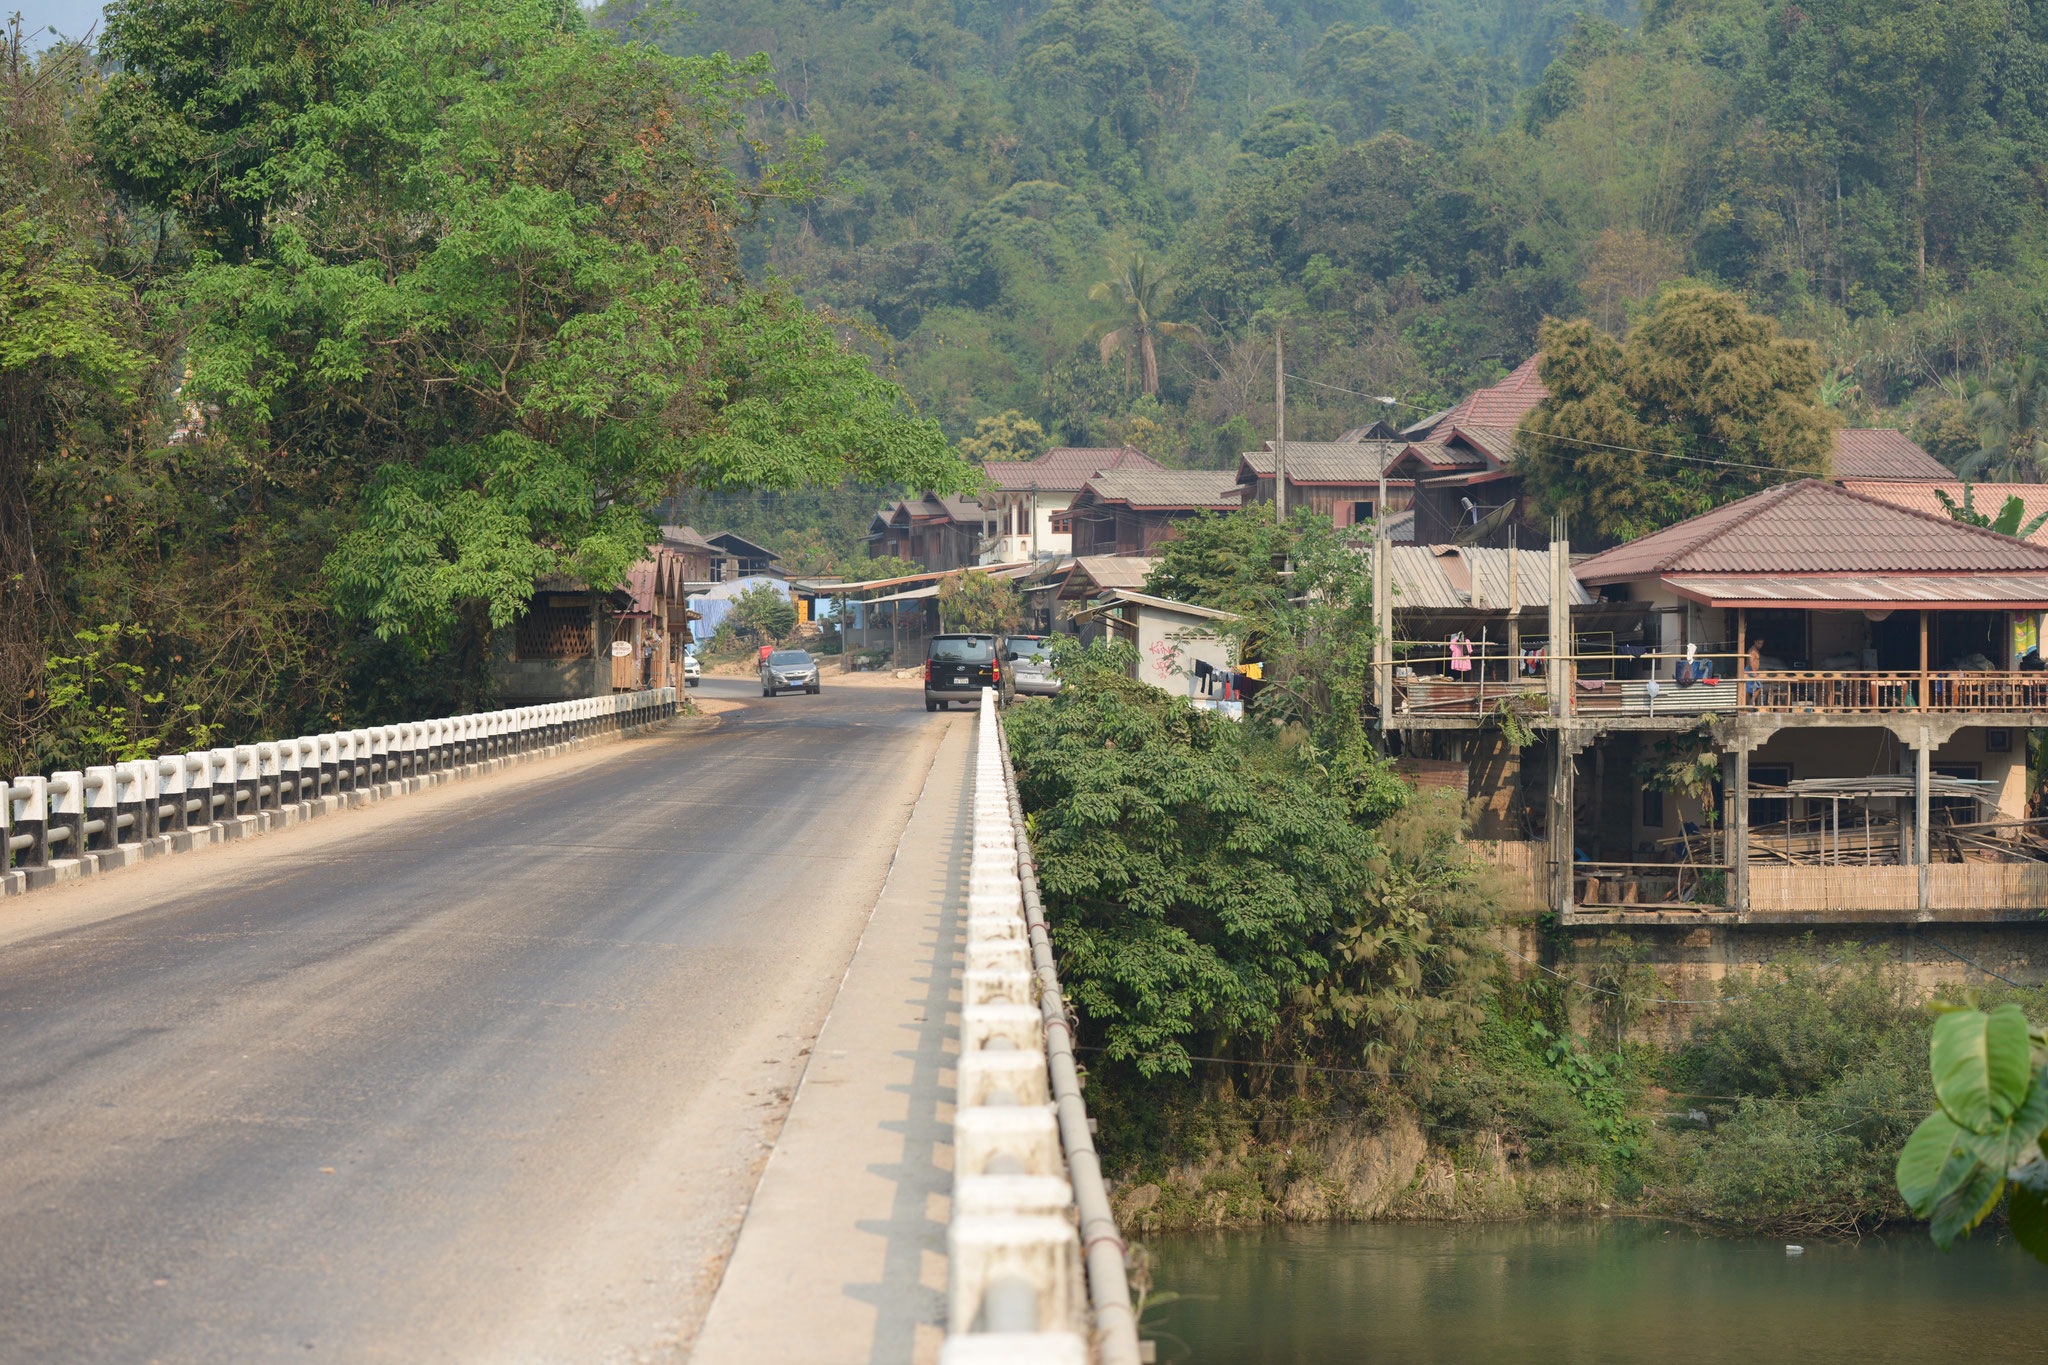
x=1142 y=290
x=2012 y=423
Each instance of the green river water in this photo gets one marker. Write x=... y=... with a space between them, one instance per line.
x=1586 y=1292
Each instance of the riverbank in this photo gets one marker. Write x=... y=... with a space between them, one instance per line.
x=1355 y=1173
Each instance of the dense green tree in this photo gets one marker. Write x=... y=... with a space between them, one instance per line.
x=1006 y=436
x=534 y=323
x=2012 y=423
x=980 y=601
x=1704 y=402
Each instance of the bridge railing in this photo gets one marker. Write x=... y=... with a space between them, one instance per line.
x=1036 y=1262
x=70 y=823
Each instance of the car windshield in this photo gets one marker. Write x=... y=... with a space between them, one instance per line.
x=1030 y=646
x=963 y=649
x=788 y=658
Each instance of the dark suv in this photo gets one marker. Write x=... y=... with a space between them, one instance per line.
x=957 y=667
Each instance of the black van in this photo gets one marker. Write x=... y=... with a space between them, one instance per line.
x=957 y=667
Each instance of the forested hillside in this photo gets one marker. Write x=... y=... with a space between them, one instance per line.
x=1413 y=184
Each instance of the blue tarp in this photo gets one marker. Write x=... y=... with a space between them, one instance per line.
x=714 y=606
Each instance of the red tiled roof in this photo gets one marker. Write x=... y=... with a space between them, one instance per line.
x=1884 y=453
x=1502 y=406
x=1919 y=494
x=1065 y=468
x=1811 y=527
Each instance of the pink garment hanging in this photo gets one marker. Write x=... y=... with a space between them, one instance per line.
x=1461 y=655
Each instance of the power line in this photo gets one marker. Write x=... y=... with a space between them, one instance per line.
x=1575 y=440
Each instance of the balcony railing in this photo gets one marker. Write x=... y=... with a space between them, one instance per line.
x=1896 y=691
x=1432 y=686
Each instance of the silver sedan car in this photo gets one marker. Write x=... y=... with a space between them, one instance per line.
x=788 y=670
x=1031 y=665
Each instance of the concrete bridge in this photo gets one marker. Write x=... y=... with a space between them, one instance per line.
x=575 y=1033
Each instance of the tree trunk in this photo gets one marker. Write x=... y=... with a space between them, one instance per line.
x=1149 y=358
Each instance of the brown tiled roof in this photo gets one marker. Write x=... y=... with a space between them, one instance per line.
x=1811 y=527
x=1166 y=488
x=1919 y=494
x=1501 y=407
x=1884 y=453
x=1496 y=443
x=1329 y=461
x=1065 y=468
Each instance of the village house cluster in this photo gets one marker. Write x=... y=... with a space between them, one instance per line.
x=1810 y=705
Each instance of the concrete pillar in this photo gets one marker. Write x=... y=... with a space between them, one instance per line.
x=1562 y=820
x=99 y=808
x=1923 y=755
x=1735 y=786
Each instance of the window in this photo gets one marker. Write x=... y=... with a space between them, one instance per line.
x=554 y=632
x=1769 y=810
x=1361 y=512
x=1653 y=808
x=963 y=649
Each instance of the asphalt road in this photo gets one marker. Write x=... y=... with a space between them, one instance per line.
x=483 y=1074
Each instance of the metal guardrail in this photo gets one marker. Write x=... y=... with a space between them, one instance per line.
x=147 y=804
x=1037 y=1270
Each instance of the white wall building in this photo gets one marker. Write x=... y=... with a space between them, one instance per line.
x=1023 y=520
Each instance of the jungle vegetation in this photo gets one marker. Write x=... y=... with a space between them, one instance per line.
x=1410 y=187
x=328 y=328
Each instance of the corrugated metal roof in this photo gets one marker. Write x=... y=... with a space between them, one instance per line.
x=1116 y=571
x=1919 y=495
x=1967 y=590
x=1883 y=453
x=1166 y=488
x=1066 y=468
x=1329 y=461
x=1166 y=604
x=1447 y=578
x=1811 y=527
x=686 y=537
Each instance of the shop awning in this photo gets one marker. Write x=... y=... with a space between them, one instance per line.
x=1868 y=592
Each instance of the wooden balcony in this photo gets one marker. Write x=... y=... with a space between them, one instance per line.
x=1847 y=692
x=1800 y=692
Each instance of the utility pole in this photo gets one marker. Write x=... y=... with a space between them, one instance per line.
x=1279 y=429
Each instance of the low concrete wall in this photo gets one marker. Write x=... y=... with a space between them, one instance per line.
x=1691 y=961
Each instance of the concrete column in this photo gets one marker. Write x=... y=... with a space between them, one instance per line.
x=99 y=807
x=1735 y=826
x=1562 y=821
x=1923 y=755
x=28 y=803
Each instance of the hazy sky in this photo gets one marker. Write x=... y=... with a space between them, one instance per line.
x=68 y=17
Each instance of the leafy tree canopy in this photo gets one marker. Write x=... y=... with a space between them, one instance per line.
x=498 y=285
x=1704 y=402
x=979 y=601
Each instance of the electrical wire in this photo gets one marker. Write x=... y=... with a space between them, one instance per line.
x=1592 y=445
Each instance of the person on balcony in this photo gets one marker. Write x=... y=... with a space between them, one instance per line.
x=1753 y=665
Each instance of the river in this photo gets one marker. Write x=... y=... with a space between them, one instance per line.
x=1576 y=1293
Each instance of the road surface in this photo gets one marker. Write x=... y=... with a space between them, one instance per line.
x=483 y=1074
